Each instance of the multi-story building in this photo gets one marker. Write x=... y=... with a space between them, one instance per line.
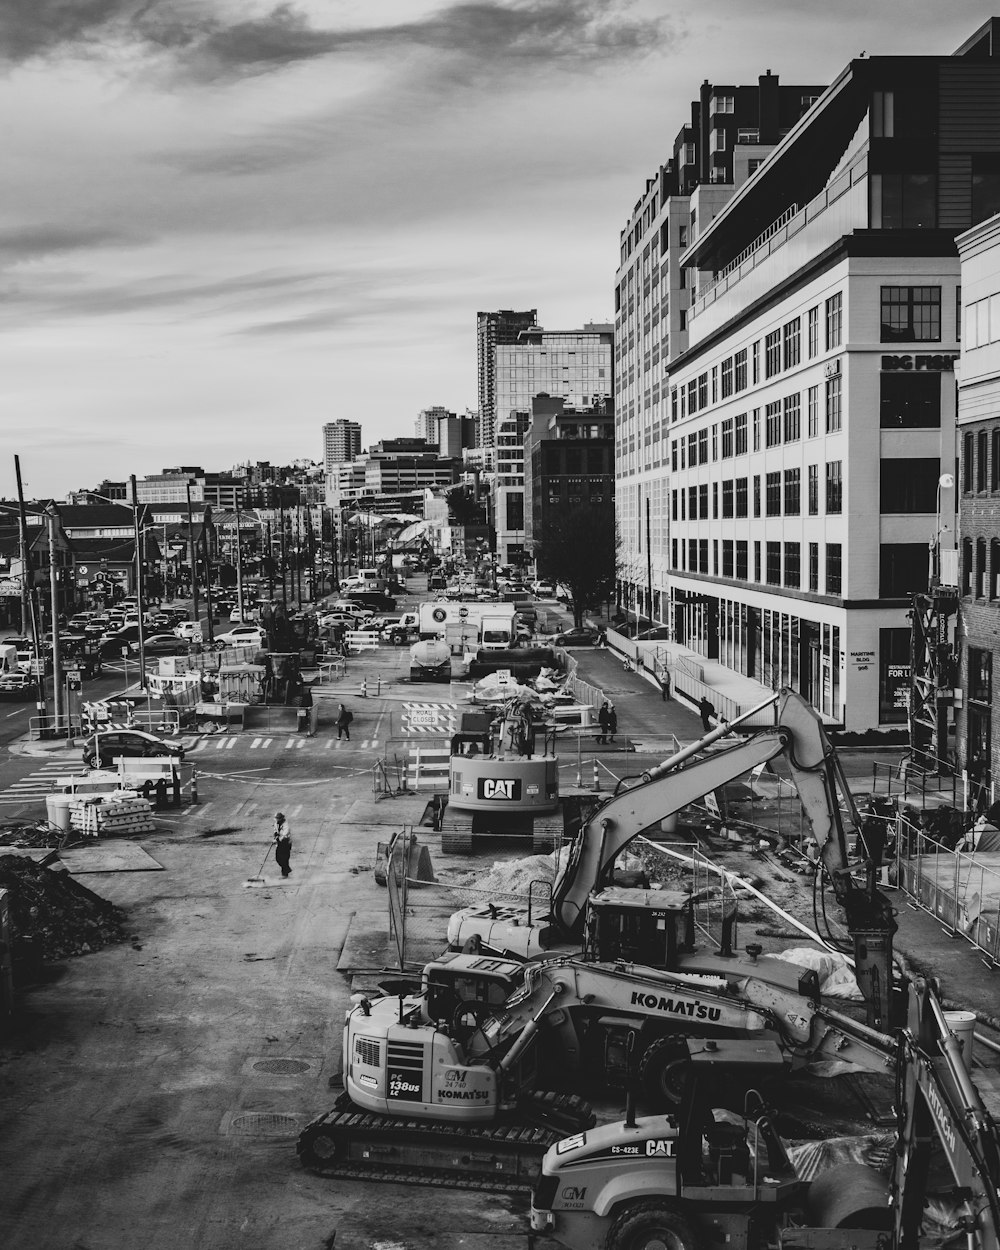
x=731 y=132
x=172 y=485
x=978 y=482
x=812 y=416
x=341 y=441
x=576 y=366
x=456 y=435
x=568 y=463
x=493 y=330
x=426 y=426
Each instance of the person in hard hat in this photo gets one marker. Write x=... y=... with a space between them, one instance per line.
x=282 y=843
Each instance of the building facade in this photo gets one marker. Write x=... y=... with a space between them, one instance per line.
x=493 y=330
x=341 y=441
x=978 y=480
x=575 y=366
x=812 y=416
x=732 y=129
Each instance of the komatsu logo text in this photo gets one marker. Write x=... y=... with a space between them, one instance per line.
x=675 y=1006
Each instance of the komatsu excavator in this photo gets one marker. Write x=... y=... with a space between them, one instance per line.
x=481 y=1035
x=693 y=1180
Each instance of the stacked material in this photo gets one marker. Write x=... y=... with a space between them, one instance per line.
x=52 y=915
x=111 y=817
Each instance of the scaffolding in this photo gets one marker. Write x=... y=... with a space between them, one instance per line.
x=933 y=674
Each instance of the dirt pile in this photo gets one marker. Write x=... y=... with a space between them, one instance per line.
x=52 y=915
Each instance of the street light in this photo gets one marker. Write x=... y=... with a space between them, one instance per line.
x=944 y=557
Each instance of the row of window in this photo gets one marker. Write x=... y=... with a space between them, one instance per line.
x=981 y=461
x=774 y=563
x=691 y=504
x=782 y=350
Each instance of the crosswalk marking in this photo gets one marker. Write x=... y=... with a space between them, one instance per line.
x=38 y=783
x=260 y=742
x=225 y=744
x=293 y=743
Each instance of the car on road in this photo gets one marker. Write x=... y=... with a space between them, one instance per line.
x=242 y=636
x=163 y=644
x=190 y=630
x=16 y=685
x=106 y=746
x=543 y=590
x=330 y=619
x=576 y=637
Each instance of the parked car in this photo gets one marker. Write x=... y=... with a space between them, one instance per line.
x=191 y=630
x=163 y=644
x=543 y=590
x=105 y=747
x=242 y=636
x=576 y=637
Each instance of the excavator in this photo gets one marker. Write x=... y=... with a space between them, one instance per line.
x=701 y=1177
x=479 y=1037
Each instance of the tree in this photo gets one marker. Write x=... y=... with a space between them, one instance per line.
x=580 y=550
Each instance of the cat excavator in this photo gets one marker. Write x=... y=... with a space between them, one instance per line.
x=702 y=1177
x=444 y=1079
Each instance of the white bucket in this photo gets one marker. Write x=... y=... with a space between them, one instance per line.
x=962 y=1024
x=58 y=810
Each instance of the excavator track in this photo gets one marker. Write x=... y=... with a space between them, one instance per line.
x=504 y=1157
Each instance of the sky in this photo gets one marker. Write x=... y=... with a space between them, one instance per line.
x=226 y=222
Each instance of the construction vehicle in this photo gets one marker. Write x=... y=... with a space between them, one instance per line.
x=798 y=736
x=689 y=1180
x=415 y=1110
x=610 y=1010
x=430 y=660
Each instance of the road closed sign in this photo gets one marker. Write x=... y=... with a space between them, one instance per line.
x=423 y=717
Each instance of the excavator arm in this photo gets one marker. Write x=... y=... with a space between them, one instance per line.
x=799 y=737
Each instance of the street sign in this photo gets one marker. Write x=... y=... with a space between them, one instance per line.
x=463 y=613
x=503 y=676
x=423 y=717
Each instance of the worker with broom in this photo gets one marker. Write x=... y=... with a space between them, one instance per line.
x=282 y=843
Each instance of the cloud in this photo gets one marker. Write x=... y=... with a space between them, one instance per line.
x=19 y=244
x=205 y=41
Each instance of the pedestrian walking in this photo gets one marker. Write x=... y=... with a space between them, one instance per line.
x=707 y=710
x=664 y=684
x=282 y=843
x=603 y=720
x=344 y=718
x=612 y=722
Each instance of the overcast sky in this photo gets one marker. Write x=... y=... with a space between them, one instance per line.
x=225 y=223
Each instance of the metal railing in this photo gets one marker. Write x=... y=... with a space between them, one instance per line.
x=962 y=892
x=40 y=727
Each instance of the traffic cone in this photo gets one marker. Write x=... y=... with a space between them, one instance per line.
x=597 y=779
x=364 y=687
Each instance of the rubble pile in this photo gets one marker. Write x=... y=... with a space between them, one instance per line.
x=52 y=915
x=35 y=834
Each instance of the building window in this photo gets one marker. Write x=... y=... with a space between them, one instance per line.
x=993 y=584
x=793 y=491
x=727 y=438
x=703 y=446
x=756 y=429
x=834 y=321
x=982 y=444
x=833 y=400
x=702 y=555
x=741 y=496
x=740 y=360
x=793 y=570
x=910 y=401
x=791 y=347
x=723 y=104
x=715 y=442
x=741 y=434
x=773 y=494
x=727 y=557
x=673 y=553
x=814 y=566
x=980 y=568
x=904 y=201
x=813 y=409
x=883 y=115
x=792 y=426
x=902 y=570
x=812 y=333
x=909 y=485
x=692 y=394
x=968 y=463
x=673 y=505
x=693 y=503
x=756 y=494
x=995 y=460
x=692 y=449
x=774 y=564
x=702 y=390
x=756 y=562
x=911 y=314
x=727 y=377
x=966 y=571
x=772 y=424
x=715 y=500
x=833 y=570
x=772 y=354
x=755 y=362
x=741 y=559
x=703 y=501
x=727 y=498
x=715 y=384
x=834 y=487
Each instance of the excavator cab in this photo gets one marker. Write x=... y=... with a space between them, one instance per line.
x=649 y=927
x=461 y=990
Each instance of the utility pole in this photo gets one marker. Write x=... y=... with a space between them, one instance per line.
x=51 y=516
x=208 y=577
x=22 y=532
x=311 y=536
x=270 y=563
x=191 y=556
x=239 y=566
x=284 y=573
x=649 y=563
x=139 y=562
